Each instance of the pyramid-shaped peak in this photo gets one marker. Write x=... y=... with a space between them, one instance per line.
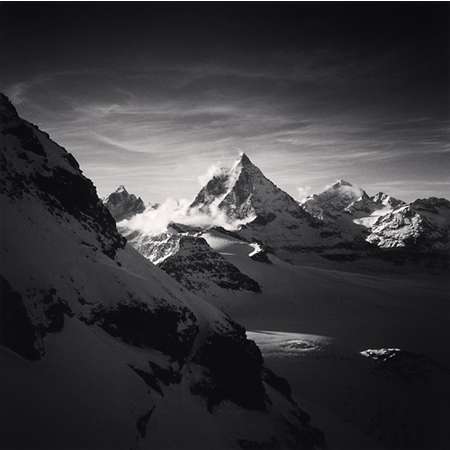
x=244 y=159
x=123 y=205
x=245 y=165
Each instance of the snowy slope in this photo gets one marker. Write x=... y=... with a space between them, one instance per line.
x=311 y=324
x=366 y=210
x=101 y=349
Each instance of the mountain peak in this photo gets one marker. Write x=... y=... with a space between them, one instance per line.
x=244 y=194
x=333 y=200
x=123 y=205
x=341 y=182
x=121 y=189
x=244 y=159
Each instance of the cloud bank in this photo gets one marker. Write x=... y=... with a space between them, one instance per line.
x=154 y=221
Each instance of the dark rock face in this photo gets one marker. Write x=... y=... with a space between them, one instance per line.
x=235 y=367
x=195 y=264
x=264 y=219
x=16 y=329
x=55 y=309
x=27 y=139
x=62 y=187
x=215 y=187
x=139 y=326
x=123 y=205
x=281 y=385
x=235 y=373
x=156 y=376
x=77 y=196
x=142 y=422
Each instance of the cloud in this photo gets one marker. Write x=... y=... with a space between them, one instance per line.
x=16 y=92
x=156 y=221
x=212 y=171
x=303 y=192
x=147 y=128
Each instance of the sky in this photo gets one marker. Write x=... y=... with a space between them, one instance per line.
x=152 y=95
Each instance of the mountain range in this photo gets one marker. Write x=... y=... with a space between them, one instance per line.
x=112 y=336
x=100 y=348
x=340 y=223
x=368 y=271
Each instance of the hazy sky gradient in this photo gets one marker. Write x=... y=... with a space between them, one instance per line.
x=151 y=96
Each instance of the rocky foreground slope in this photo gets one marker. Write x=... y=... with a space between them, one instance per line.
x=101 y=349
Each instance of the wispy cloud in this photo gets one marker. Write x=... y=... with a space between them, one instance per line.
x=158 y=130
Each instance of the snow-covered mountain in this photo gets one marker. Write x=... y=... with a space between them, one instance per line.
x=366 y=210
x=263 y=212
x=334 y=200
x=345 y=201
x=187 y=257
x=123 y=205
x=386 y=223
x=244 y=193
x=197 y=266
x=422 y=226
x=101 y=349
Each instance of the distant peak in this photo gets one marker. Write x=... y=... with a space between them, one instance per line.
x=379 y=196
x=340 y=183
x=244 y=159
x=121 y=189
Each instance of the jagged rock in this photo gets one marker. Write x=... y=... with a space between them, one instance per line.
x=422 y=226
x=33 y=165
x=194 y=264
x=123 y=205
